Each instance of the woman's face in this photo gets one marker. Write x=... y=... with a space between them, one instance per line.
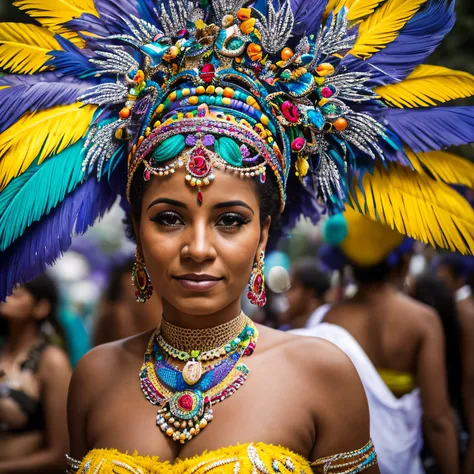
x=199 y=257
x=20 y=305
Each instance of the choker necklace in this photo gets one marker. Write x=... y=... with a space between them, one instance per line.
x=202 y=340
x=186 y=397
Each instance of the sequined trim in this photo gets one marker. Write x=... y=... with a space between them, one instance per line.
x=348 y=463
x=72 y=465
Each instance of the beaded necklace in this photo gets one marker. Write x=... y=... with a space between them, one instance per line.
x=186 y=408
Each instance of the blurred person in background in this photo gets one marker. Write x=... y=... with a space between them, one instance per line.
x=119 y=314
x=34 y=379
x=309 y=285
x=397 y=345
x=454 y=269
x=432 y=291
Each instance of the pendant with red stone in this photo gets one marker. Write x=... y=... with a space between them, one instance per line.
x=256 y=290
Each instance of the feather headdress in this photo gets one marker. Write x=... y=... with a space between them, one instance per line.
x=330 y=95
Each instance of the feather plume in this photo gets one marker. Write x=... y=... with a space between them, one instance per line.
x=40 y=135
x=307 y=14
x=416 y=41
x=426 y=86
x=53 y=15
x=45 y=241
x=71 y=60
x=113 y=13
x=42 y=189
x=384 y=25
x=361 y=8
x=443 y=166
x=24 y=48
x=418 y=206
x=432 y=128
x=38 y=94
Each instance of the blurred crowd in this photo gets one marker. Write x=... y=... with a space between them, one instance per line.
x=407 y=323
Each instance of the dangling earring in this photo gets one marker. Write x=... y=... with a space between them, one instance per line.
x=141 y=279
x=256 y=293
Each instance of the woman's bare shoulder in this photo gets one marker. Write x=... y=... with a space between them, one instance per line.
x=92 y=371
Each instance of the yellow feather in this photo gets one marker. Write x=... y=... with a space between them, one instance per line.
x=24 y=48
x=361 y=8
x=383 y=26
x=333 y=5
x=426 y=86
x=418 y=206
x=40 y=135
x=52 y=14
x=443 y=166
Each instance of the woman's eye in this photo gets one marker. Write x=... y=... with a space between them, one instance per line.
x=170 y=219
x=232 y=220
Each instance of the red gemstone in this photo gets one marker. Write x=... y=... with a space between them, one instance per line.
x=200 y=197
x=146 y=175
x=141 y=279
x=208 y=72
x=185 y=402
x=263 y=178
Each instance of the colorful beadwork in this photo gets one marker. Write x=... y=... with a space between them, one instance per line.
x=186 y=397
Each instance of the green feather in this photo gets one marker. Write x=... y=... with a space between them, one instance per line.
x=170 y=148
x=229 y=151
x=36 y=192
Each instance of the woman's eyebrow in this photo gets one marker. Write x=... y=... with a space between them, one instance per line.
x=233 y=204
x=171 y=202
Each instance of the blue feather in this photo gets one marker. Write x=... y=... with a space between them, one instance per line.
x=45 y=241
x=34 y=195
x=308 y=14
x=87 y=23
x=113 y=12
x=71 y=60
x=29 y=96
x=432 y=128
x=416 y=41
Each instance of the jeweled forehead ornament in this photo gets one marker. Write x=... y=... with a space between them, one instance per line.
x=203 y=143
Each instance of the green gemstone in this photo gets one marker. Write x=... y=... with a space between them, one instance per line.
x=194 y=354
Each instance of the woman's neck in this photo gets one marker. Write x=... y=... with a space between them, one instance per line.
x=22 y=336
x=200 y=321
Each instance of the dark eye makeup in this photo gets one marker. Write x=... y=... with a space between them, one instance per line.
x=228 y=220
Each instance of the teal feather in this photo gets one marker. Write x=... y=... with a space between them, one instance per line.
x=229 y=151
x=34 y=193
x=170 y=148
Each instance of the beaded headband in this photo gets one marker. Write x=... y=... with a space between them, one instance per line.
x=330 y=96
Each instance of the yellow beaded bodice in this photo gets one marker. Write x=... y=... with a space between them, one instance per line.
x=253 y=458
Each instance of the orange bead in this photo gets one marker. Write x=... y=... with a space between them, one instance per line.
x=228 y=92
x=124 y=113
x=287 y=53
x=340 y=124
x=244 y=14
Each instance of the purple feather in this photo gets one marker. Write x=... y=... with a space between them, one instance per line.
x=432 y=128
x=71 y=60
x=45 y=241
x=27 y=96
x=114 y=12
x=308 y=14
x=416 y=41
x=88 y=23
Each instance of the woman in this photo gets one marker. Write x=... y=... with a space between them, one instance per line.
x=211 y=118
x=397 y=345
x=34 y=378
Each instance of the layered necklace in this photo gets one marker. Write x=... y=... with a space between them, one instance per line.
x=213 y=371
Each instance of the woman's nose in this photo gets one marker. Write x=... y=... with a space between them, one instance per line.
x=200 y=246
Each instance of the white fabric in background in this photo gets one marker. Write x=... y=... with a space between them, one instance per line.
x=395 y=423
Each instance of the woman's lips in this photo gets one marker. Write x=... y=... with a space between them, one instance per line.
x=196 y=282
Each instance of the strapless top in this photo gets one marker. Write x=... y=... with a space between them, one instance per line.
x=253 y=458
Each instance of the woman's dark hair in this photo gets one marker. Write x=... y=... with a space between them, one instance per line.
x=44 y=288
x=310 y=274
x=375 y=273
x=268 y=196
x=432 y=291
